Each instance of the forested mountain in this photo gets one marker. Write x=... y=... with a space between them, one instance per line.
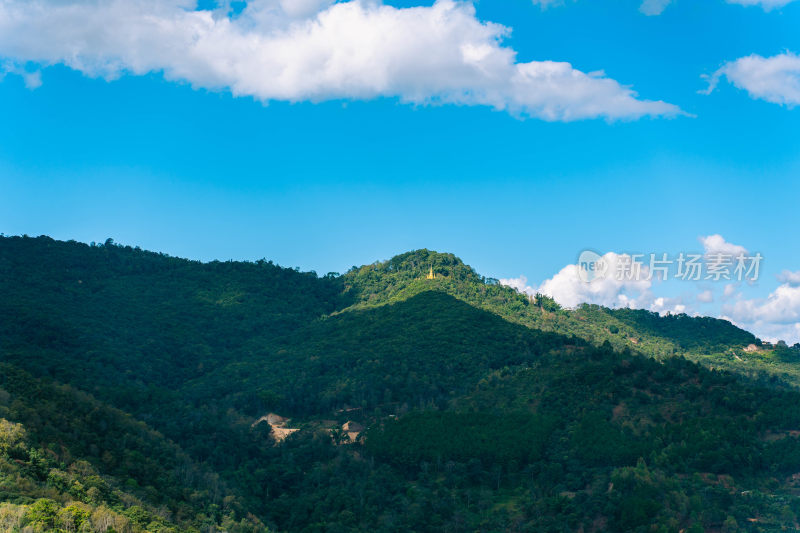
x=133 y=386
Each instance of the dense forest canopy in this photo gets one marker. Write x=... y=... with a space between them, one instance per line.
x=134 y=389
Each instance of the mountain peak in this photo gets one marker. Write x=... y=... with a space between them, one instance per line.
x=407 y=274
x=418 y=262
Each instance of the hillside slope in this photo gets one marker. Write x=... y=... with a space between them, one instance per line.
x=127 y=324
x=69 y=462
x=143 y=377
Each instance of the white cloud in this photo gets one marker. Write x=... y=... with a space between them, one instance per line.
x=547 y=3
x=770 y=332
x=31 y=79
x=730 y=290
x=773 y=317
x=608 y=289
x=790 y=278
x=706 y=296
x=314 y=50
x=299 y=8
x=569 y=290
x=713 y=245
x=654 y=7
x=519 y=284
x=664 y=305
x=775 y=79
x=767 y=5
x=719 y=253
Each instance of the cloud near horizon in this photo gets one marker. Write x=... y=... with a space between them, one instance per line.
x=772 y=318
x=773 y=79
x=314 y=50
x=776 y=317
x=568 y=289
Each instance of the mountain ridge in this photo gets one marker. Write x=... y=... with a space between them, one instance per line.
x=397 y=278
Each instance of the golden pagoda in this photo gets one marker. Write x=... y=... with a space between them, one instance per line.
x=431 y=275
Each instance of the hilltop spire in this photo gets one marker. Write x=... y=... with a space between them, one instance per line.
x=431 y=275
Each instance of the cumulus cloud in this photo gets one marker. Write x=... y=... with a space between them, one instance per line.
x=774 y=79
x=722 y=258
x=782 y=306
x=569 y=289
x=714 y=245
x=609 y=289
x=613 y=286
x=315 y=50
x=775 y=317
x=789 y=333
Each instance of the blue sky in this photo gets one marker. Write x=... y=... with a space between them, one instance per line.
x=160 y=147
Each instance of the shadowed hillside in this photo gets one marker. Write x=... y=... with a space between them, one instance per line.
x=416 y=352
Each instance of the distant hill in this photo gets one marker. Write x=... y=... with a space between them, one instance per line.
x=131 y=384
